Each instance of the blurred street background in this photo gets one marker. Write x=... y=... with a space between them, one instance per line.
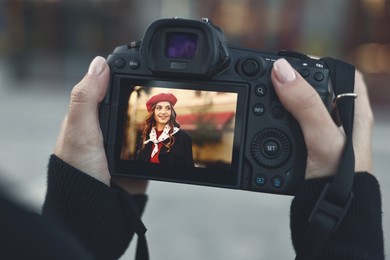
x=46 y=47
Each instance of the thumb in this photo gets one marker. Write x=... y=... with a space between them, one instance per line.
x=90 y=91
x=80 y=142
x=323 y=139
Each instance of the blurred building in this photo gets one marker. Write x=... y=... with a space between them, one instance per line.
x=52 y=39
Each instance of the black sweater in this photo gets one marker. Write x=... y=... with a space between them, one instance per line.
x=82 y=219
x=91 y=220
x=360 y=235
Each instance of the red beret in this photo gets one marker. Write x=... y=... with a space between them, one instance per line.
x=161 y=97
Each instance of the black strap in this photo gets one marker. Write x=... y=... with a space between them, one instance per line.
x=336 y=197
x=142 y=252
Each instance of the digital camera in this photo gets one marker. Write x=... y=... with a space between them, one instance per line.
x=238 y=133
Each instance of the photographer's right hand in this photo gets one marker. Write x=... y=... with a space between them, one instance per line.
x=324 y=140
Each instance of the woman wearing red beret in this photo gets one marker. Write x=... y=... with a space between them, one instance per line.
x=162 y=140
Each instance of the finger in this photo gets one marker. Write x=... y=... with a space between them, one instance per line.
x=299 y=98
x=89 y=92
x=362 y=128
x=80 y=142
x=83 y=118
x=323 y=139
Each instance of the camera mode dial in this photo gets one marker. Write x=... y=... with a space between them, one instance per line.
x=271 y=148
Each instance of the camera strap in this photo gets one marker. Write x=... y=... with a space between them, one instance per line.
x=142 y=252
x=337 y=195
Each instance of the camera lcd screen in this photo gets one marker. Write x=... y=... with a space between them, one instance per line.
x=181 y=45
x=200 y=146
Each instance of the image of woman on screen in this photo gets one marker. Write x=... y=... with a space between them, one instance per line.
x=162 y=140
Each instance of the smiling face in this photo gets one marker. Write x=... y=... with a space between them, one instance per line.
x=162 y=114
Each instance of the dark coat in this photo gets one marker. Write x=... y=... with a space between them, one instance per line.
x=180 y=153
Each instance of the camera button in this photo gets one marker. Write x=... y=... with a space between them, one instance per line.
x=271 y=148
x=120 y=63
x=277 y=182
x=304 y=73
x=250 y=67
x=258 y=109
x=134 y=64
x=260 y=180
x=319 y=76
x=278 y=112
x=261 y=90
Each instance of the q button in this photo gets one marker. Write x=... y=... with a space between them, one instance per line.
x=261 y=90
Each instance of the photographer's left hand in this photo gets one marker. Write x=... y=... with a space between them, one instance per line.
x=80 y=142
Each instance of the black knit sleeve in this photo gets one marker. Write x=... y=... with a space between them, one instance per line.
x=360 y=235
x=95 y=213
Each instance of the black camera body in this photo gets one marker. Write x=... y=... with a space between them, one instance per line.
x=242 y=137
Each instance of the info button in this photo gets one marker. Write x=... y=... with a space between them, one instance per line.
x=258 y=109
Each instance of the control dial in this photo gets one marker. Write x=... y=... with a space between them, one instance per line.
x=271 y=148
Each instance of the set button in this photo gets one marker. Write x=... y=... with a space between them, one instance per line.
x=271 y=148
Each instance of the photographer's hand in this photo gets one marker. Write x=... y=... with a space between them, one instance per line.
x=80 y=142
x=324 y=140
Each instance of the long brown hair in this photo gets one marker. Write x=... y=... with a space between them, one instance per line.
x=150 y=122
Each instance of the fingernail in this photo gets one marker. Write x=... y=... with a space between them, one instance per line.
x=96 y=67
x=283 y=70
